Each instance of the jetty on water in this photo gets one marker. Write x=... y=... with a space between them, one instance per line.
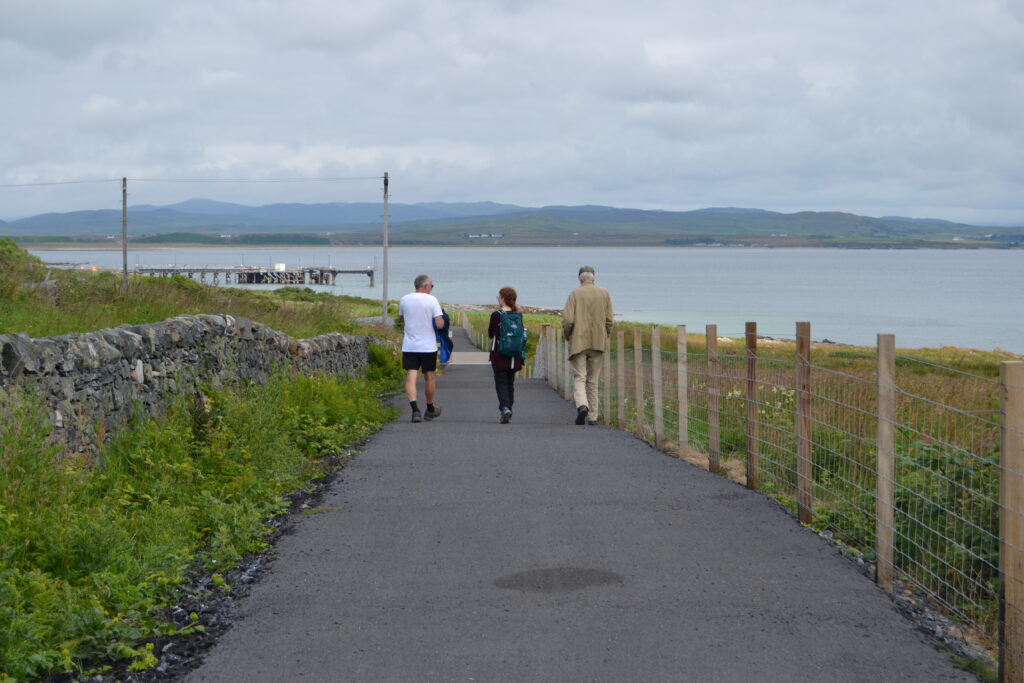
x=251 y=275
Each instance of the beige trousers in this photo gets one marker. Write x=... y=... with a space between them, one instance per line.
x=586 y=371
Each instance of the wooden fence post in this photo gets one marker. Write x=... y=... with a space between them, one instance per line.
x=638 y=379
x=606 y=373
x=886 y=462
x=714 y=432
x=1011 y=523
x=559 y=362
x=657 y=386
x=556 y=357
x=544 y=350
x=753 y=444
x=681 y=393
x=552 y=362
x=567 y=375
x=804 y=464
x=620 y=378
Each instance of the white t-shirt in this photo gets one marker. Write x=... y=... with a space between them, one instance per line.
x=419 y=309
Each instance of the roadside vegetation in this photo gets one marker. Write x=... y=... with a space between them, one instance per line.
x=43 y=302
x=95 y=550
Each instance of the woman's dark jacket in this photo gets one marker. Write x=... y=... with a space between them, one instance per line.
x=499 y=361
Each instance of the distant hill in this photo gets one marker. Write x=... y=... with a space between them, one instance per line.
x=490 y=223
x=204 y=215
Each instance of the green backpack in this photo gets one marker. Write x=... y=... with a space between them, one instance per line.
x=511 y=339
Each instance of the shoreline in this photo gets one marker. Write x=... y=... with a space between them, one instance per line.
x=726 y=287
x=93 y=246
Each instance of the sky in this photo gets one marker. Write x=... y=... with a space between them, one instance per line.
x=910 y=108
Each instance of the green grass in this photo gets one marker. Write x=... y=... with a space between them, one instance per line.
x=87 y=301
x=93 y=547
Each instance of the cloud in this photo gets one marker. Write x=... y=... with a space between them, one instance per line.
x=865 y=105
x=67 y=29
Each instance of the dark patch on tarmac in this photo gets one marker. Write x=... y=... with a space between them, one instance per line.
x=739 y=495
x=558 y=580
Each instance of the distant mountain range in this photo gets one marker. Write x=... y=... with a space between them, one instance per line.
x=489 y=223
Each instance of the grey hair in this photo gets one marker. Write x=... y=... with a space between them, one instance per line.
x=420 y=281
x=586 y=277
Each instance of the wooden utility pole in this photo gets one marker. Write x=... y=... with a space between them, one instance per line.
x=124 y=233
x=384 y=280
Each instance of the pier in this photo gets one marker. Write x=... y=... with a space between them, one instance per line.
x=251 y=275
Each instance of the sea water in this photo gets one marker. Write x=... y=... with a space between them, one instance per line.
x=926 y=297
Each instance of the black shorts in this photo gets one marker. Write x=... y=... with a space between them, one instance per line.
x=427 y=361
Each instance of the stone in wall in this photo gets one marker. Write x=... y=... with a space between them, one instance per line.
x=106 y=376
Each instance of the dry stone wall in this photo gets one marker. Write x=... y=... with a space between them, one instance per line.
x=93 y=382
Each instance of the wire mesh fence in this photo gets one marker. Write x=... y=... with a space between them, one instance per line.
x=912 y=483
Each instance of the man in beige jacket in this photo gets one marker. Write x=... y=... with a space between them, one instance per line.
x=587 y=323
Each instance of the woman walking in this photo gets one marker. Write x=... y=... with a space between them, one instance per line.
x=508 y=343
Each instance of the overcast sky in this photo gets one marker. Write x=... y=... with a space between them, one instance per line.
x=877 y=107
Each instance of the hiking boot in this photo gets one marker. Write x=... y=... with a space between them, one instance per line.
x=581 y=414
x=506 y=415
x=431 y=414
x=591 y=422
x=417 y=416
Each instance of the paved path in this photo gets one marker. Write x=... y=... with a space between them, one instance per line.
x=466 y=550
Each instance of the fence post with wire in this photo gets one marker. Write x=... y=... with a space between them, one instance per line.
x=904 y=462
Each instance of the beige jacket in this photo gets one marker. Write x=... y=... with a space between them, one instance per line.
x=587 y=318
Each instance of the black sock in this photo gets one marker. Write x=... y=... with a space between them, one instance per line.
x=415 y=407
x=430 y=407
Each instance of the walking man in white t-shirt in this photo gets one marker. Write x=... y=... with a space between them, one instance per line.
x=421 y=314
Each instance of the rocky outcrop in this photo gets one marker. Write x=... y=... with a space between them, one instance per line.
x=93 y=382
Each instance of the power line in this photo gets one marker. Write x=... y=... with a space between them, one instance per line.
x=252 y=180
x=64 y=182
x=196 y=180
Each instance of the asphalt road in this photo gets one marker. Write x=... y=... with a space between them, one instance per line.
x=466 y=550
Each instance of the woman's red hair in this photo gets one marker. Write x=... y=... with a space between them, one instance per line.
x=508 y=295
